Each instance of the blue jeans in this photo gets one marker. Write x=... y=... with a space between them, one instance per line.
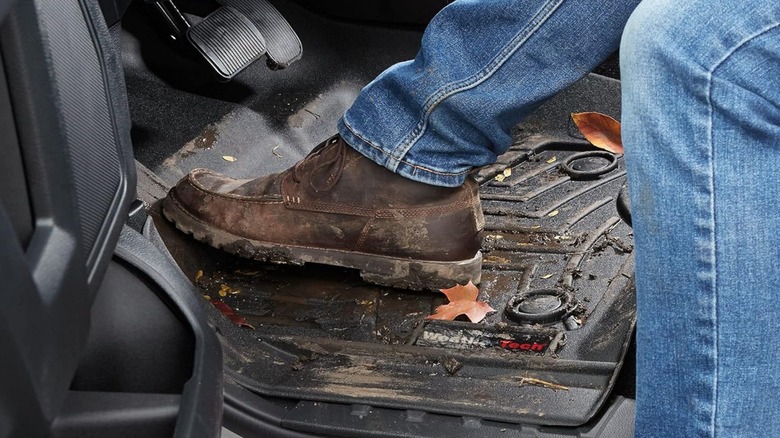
x=701 y=128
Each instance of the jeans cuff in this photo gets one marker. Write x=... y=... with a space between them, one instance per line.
x=413 y=171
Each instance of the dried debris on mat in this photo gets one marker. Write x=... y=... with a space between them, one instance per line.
x=543 y=383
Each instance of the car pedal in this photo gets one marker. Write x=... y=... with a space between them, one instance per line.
x=282 y=43
x=228 y=40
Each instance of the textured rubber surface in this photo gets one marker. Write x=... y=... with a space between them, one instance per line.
x=283 y=45
x=360 y=421
x=228 y=41
x=94 y=139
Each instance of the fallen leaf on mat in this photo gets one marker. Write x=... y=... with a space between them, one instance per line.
x=504 y=175
x=463 y=301
x=229 y=158
x=600 y=129
x=231 y=314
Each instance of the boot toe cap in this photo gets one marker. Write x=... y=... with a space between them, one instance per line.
x=195 y=193
x=211 y=182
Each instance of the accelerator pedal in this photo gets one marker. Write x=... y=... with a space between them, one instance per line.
x=228 y=40
x=282 y=43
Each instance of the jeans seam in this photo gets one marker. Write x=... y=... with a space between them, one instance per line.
x=452 y=88
x=713 y=255
x=408 y=163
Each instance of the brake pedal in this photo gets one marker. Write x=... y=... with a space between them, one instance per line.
x=237 y=34
x=228 y=40
x=282 y=43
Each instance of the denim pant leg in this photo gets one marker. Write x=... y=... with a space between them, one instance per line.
x=701 y=128
x=483 y=66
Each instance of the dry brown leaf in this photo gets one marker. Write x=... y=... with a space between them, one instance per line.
x=600 y=129
x=463 y=301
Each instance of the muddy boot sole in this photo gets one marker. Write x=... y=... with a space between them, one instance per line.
x=383 y=270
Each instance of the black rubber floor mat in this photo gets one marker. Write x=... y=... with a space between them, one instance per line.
x=558 y=268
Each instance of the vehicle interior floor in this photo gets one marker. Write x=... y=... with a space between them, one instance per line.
x=552 y=237
x=267 y=120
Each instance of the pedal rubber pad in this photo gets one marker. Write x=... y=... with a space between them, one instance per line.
x=228 y=40
x=283 y=45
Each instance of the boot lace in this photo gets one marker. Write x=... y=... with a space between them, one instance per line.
x=337 y=159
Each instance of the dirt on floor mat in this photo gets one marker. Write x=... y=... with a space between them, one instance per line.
x=558 y=268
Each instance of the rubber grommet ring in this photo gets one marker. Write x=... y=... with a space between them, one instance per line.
x=567 y=167
x=513 y=311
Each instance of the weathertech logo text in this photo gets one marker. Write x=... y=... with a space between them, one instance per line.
x=513 y=345
x=470 y=339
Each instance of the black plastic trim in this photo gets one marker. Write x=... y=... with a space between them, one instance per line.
x=138 y=342
x=106 y=414
x=13 y=184
x=47 y=279
x=42 y=132
x=200 y=413
x=250 y=415
x=116 y=95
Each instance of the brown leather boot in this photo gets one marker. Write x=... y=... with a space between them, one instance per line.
x=337 y=207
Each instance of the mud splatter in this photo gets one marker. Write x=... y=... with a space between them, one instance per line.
x=204 y=141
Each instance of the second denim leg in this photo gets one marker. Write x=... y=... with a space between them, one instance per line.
x=701 y=126
x=483 y=66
